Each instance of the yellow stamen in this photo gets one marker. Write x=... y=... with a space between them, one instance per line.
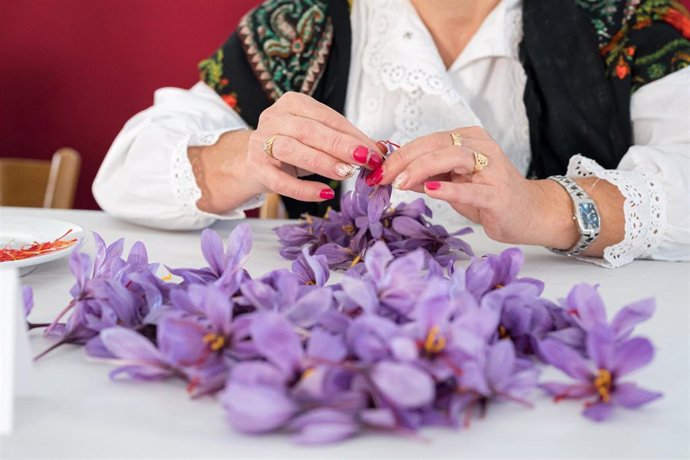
x=307 y=373
x=310 y=283
x=434 y=342
x=328 y=211
x=214 y=341
x=349 y=229
x=503 y=333
x=167 y=277
x=499 y=286
x=602 y=383
x=356 y=260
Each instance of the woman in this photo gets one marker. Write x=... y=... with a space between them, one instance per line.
x=480 y=93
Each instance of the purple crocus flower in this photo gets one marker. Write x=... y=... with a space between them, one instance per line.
x=256 y=398
x=391 y=285
x=499 y=374
x=586 y=307
x=601 y=382
x=311 y=270
x=496 y=271
x=200 y=334
x=195 y=340
x=138 y=357
x=293 y=237
x=281 y=291
x=525 y=317
x=225 y=264
x=109 y=292
x=441 y=244
x=262 y=396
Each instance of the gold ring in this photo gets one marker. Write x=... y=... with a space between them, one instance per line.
x=268 y=146
x=457 y=139
x=480 y=161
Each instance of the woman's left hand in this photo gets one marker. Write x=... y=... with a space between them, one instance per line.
x=511 y=209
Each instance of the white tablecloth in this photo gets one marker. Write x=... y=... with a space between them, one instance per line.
x=79 y=413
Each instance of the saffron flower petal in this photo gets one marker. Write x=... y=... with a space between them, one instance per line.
x=631 y=396
x=276 y=340
x=256 y=408
x=403 y=384
x=630 y=316
x=566 y=359
x=598 y=412
x=632 y=355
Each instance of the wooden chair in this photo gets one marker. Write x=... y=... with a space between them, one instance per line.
x=40 y=183
x=273 y=208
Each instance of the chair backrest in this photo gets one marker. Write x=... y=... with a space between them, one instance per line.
x=40 y=183
x=273 y=208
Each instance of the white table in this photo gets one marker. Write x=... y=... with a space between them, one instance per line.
x=79 y=413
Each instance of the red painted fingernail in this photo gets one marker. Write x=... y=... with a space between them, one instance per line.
x=432 y=185
x=375 y=177
x=327 y=193
x=360 y=154
x=375 y=160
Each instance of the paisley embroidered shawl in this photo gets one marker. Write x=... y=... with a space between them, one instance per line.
x=583 y=59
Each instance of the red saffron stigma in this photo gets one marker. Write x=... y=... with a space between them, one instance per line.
x=34 y=249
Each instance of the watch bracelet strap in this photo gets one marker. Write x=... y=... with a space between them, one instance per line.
x=577 y=196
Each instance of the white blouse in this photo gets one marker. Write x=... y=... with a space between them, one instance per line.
x=400 y=89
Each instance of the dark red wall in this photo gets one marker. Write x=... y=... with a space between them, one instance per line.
x=73 y=71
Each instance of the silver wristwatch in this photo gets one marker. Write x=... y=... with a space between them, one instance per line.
x=586 y=215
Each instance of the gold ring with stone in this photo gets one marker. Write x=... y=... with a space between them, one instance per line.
x=457 y=139
x=480 y=161
x=268 y=146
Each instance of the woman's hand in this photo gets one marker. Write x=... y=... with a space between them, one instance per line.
x=308 y=137
x=511 y=209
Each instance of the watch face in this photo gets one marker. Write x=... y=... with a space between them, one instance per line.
x=589 y=215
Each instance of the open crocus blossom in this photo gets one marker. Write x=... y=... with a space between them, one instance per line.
x=600 y=382
x=405 y=339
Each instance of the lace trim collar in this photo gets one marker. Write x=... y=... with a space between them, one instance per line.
x=401 y=53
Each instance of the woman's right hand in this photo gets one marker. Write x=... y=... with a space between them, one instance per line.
x=307 y=136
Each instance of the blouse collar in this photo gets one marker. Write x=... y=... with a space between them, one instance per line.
x=402 y=52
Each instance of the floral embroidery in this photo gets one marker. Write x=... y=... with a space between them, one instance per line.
x=211 y=72
x=287 y=43
x=615 y=22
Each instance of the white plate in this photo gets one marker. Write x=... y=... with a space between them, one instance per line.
x=26 y=230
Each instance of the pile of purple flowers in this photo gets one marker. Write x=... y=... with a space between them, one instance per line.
x=365 y=217
x=393 y=347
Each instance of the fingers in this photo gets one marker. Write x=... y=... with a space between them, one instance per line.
x=338 y=145
x=292 y=151
x=401 y=158
x=306 y=106
x=454 y=158
x=464 y=194
x=284 y=184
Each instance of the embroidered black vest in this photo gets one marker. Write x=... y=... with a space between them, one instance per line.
x=583 y=60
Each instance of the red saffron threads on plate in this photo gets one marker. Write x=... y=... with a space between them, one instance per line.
x=8 y=254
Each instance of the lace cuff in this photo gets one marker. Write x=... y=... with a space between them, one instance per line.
x=644 y=208
x=183 y=182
